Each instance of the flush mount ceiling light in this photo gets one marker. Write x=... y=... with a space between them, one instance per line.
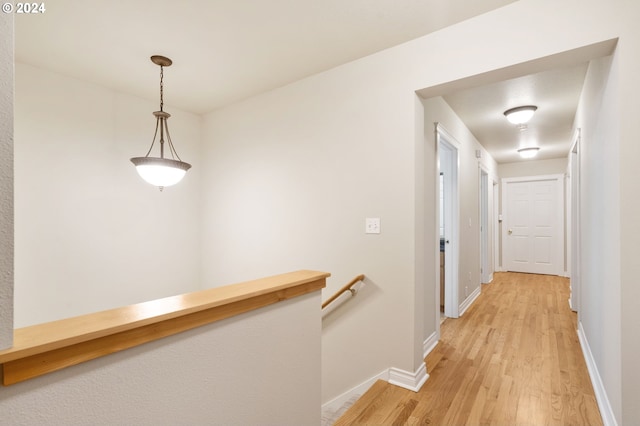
x=520 y=115
x=528 y=152
x=161 y=171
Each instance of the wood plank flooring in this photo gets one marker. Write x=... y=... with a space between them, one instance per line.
x=512 y=359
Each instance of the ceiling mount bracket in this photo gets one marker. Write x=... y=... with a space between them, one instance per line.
x=163 y=61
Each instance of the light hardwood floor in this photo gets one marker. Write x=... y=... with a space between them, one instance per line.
x=512 y=359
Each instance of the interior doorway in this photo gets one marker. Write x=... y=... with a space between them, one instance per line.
x=449 y=216
x=485 y=252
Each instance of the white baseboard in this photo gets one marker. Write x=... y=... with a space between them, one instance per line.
x=429 y=344
x=606 y=411
x=358 y=391
x=395 y=376
x=407 y=379
x=469 y=300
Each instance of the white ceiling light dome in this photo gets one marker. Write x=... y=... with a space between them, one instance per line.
x=521 y=114
x=528 y=152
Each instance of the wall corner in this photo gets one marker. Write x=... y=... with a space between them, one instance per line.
x=6 y=179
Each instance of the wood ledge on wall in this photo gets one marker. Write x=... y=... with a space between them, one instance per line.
x=48 y=347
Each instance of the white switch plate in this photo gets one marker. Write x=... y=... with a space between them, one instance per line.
x=372 y=225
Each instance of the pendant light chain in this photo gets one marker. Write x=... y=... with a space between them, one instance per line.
x=162 y=120
x=161 y=88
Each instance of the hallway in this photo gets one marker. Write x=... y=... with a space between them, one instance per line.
x=513 y=359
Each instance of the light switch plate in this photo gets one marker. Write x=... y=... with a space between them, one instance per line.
x=372 y=225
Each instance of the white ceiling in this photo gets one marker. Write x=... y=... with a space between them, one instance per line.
x=556 y=94
x=228 y=50
x=223 y=50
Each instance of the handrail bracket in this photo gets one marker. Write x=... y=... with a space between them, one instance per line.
x=347 y=287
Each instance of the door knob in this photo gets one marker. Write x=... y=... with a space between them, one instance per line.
x=447 y=241
x=510 y=231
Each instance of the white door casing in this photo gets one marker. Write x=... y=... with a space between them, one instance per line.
x=533 y=236
x=486 y=271
x=573 y=252
x=497 y=222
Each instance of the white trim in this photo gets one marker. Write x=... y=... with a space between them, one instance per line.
x=429 y=344
x=469 y=300
x=485 y=223
x=574 y=224
x=395 y=376
x=606 y=411
x=336 y=403
x=533 y=178
x=448 y=136
x=407 y=379
x=497 y=226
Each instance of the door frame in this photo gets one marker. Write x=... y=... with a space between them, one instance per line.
x=573 y=225
x=559 y=178
x=445 y=142
x=486 y=272
x=497 y=223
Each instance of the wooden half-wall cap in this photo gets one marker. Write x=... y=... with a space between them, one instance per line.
x=48 y=347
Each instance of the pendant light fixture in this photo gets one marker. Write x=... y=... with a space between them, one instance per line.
x=161 y=171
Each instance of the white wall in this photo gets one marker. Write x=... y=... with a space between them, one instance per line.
x=600 y=222
x=309 y=161
x=90 y=234
x=554 y=166
x=629 y=109
x=258 y=368
x=6 y=181
x=290 y=178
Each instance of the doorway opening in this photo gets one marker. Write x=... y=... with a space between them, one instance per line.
x=449 y=217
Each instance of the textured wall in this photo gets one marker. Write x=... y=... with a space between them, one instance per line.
x=6 y=180
x=259 y=368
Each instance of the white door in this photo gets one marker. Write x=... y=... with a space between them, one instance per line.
x=533 y=232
